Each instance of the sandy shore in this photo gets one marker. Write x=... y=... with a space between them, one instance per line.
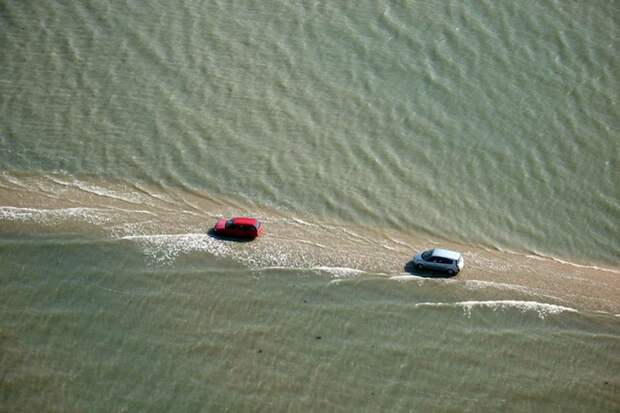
x=169 y=222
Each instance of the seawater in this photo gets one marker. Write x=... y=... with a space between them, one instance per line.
x=359 y=133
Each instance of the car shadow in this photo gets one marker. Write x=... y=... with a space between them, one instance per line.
x=212 y=234
x=411 y=269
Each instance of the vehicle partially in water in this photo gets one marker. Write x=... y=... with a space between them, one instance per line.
x=238 y=227
x=439 y=259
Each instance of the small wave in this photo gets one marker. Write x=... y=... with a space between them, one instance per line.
x=478 y=284
x=151 y=194
x=539 y=256
x=302 y=222
x=339 y=272
x=274 y=268
x=406 y=277
x=15 y=181
x=165 y=248
x=543 y=257
x=314 y=244
x=130 y=197
x=542 y=309
x=400 y=243
x=387 y=247
x=52 y=216
x=336 y=272
x=356 y=236
x=420 y=279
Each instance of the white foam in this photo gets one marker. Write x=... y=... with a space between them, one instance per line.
x=53 y=216
x=274 y=268
x=132 y=211
x=165 y=248
x=339 y=272
x=542 y=309
x=478 y=284
x=159 y=196
x=13 y=180
x=130 y=228
x=336 y=272
x=130 y=197
x=302 y=222
x=400 y=243
x=543 y=257
x=420 y=279
x=387 y=247
x=356 y=236
x=314 y=244
x=406 y=277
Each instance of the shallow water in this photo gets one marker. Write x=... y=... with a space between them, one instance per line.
x=87 y=325
x=358 y=134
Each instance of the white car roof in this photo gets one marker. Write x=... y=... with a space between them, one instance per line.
x=440 y=252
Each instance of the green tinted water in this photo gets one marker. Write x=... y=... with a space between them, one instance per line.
x=359 y=133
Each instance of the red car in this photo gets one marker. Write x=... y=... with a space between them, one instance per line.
x=238 y=227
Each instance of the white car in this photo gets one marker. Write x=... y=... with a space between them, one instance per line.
x=440 y=260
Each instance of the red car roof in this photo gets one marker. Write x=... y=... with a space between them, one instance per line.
x=244 y=221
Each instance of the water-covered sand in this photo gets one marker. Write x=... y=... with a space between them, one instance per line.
x=166 y=222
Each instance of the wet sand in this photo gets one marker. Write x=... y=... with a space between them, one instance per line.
x=166 y=222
